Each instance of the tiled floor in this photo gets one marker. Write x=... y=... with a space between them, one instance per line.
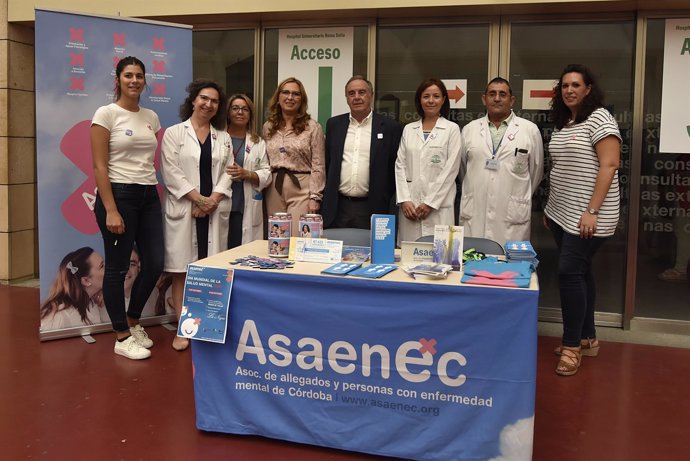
x=70 y=400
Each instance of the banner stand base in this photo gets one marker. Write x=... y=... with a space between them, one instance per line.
x=169 y=326
x=88 y=338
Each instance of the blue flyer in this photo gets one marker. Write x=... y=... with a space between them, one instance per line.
x=205 y=303
x=382 y=239
x=341 y=268
x=374 y=271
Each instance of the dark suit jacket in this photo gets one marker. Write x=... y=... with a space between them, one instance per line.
x=385 y=138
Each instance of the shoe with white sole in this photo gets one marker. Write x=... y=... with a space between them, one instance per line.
x=141 y=337
x=131 y=349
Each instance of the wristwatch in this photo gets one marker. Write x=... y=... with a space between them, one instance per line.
x=593 y=211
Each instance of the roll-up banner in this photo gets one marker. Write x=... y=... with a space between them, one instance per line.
x=675 y=97
x=76 y=55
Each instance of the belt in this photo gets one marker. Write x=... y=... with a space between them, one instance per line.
x=280 y=177
x=353 y=199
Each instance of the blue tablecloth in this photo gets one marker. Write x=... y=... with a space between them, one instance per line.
x=421 y=371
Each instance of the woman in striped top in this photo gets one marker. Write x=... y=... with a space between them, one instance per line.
x=583 y=206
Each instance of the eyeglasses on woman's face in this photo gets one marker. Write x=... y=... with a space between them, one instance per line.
x=288 y=93
x=239 y=109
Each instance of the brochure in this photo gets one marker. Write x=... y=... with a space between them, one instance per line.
x=315 y=250
x=428 y=270
x=355 y=254
x=205 y=303
x=382 y=239
x=448 y=245
x=374 y=271
x=341 y=268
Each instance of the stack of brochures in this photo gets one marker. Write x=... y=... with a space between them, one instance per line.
x=428 y=270
x=521 y=251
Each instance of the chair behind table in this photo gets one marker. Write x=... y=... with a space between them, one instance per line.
x=349 y=236
x=480 y=244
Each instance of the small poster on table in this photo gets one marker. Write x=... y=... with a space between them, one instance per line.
x=205 y=303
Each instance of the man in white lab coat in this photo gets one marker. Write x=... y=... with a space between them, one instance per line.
x=500 y=167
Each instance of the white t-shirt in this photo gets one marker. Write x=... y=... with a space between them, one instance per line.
x=132 y=145
x=574 y=172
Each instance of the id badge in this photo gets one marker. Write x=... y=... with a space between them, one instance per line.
x=491 y=164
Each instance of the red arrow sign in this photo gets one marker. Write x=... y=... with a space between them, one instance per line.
x=456 y=94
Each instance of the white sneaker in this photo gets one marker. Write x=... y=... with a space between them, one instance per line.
x=131 y=349
x=140 y=336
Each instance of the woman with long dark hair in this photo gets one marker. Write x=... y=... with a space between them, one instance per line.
x=127 y=208
x=583 y=206
x=428 y=163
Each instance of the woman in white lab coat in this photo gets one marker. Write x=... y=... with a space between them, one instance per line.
x=427 y=164
x=194 y=156
x=250 y=173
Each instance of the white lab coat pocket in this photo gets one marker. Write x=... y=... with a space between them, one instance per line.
x=518 y=211
x=176 y=209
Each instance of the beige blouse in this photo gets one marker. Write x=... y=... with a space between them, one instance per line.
x=303 y=153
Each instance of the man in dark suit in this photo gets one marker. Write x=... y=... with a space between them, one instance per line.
x=361 y=148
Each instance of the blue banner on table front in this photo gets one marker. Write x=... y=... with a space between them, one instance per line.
x=76 y=56
x=418 y=371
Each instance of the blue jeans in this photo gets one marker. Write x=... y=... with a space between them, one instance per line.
x=576 y=284
x=140 y=209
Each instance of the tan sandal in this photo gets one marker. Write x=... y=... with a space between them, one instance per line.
x=570 y=361
x=588 y=348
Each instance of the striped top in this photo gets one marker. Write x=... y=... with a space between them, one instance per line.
x=575 y=166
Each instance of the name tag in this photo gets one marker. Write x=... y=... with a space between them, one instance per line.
x=491 y=164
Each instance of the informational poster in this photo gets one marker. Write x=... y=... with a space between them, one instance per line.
x=537 y=94
x=76 y=56
x=205 y=303
x=321 y=58
x=675 y=97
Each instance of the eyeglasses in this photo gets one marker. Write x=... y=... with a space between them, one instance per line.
x=205 y=98
x=237 y=109
x=288 y=93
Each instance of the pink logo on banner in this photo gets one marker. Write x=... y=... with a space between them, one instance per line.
x=76 y=59
x=159 y=89
x=116 y=60
x=77 y=209
x=158 y=66
x=76 y=35
x=159 y=43
x=77 y=83
x=119 y=39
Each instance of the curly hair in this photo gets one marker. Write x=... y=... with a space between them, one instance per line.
x=560 y=113
x=251 y=127
x=445 y=108
x=275 y=119
x=193 y=90
x=67 y=289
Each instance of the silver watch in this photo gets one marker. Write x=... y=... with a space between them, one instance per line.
x=593 y=211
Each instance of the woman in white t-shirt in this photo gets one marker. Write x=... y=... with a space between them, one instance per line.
x=128 y=210
x=73 y=296
x=584 y=203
